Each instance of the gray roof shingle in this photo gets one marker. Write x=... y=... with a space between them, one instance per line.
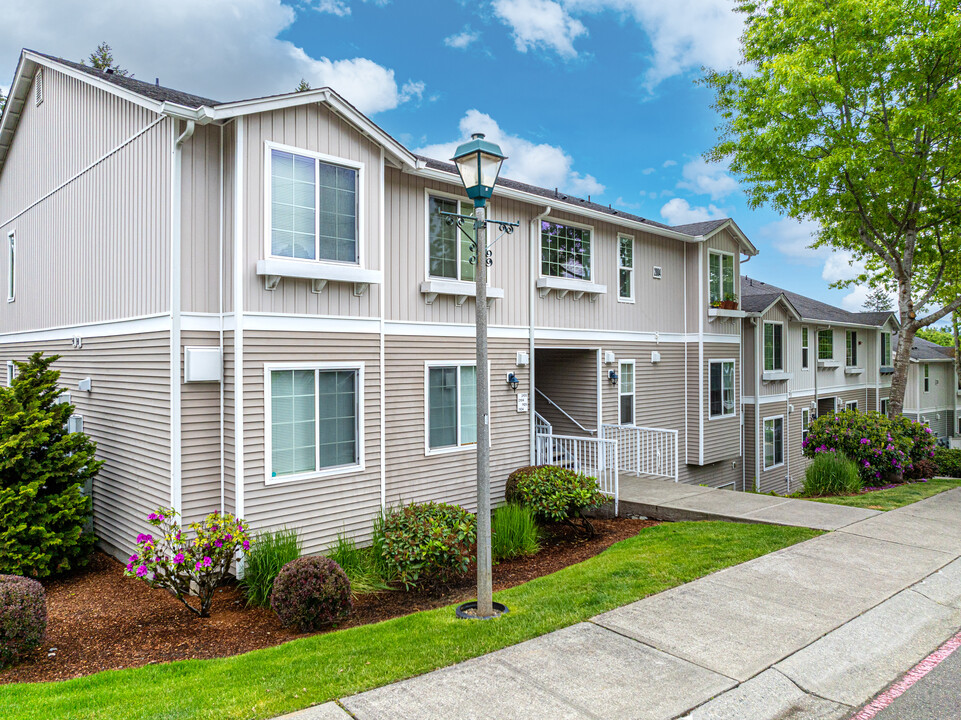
x=700 y=228
x=809 y=308
x=922 y=349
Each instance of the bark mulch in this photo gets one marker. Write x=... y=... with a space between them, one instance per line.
x=100 y=620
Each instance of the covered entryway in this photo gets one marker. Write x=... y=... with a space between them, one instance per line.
x=567 y=391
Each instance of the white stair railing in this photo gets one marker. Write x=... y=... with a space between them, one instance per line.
x=645 y=451
x=595 y=457
x=564 y=412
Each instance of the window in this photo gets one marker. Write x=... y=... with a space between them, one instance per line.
x=11 y=268
x=565 y=251
x=625 y=267
x=805 y=348
x=825 y=344
x=315 y=420
x=885 y=349
x=449 y=250
x=11 y=372
x=851 y=348
x=626 y=394
x=721 y=391
x=773 y=442
x=721 y=268
x=451 y=406
x=313 y=208
x=773 y=346
x=927 y=377
x=851 y=405
x=805 y=423
x=884 y=406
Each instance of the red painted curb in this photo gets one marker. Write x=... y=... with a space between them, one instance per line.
x=913 y=675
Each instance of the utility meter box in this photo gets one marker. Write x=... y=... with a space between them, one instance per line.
x=203 y=364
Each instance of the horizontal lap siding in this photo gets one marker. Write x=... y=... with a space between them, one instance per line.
x=569 y=378
x=775 y=478
x=412 y=476
x=320 y=508
x=127 y=414
x=200 y=439
x=750 y=446
x=722 y=436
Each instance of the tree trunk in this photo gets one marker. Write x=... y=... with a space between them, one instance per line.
x=902 y=358
x=957 y=348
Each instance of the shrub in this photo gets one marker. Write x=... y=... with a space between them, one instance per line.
x=23 y=617
x=363 y=566
x=555 y=494
x=177 y=562
x=880 y=448
x=921 y=439
x=922 y=470
x=43 y=470
x=831 y=473
x=268 y=553
x=948 y=462
x=428 y=543
x=514 y=532
x=311 y=592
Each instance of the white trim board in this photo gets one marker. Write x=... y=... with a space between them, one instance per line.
x=130 y=326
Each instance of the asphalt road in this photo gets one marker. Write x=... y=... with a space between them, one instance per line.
x=936 y=696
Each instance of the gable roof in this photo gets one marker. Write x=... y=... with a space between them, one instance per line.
x=760 y=303
x=922 y=349
x=809 y=308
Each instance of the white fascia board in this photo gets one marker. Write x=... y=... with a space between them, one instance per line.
x=17 y=98
x=828 y=324
x=742 y=238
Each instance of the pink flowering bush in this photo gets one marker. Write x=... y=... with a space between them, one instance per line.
x=182 y=561
x=921 y=438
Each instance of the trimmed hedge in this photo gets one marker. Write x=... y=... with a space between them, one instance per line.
x=311 y=592
x=23 y=617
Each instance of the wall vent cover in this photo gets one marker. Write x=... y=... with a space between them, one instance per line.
x=657 y=272
x=38 y=86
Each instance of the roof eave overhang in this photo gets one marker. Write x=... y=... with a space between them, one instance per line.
x=19 y=90
x=747 y=246
x=838 y=323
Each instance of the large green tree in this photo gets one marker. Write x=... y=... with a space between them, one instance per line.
x=848 y=113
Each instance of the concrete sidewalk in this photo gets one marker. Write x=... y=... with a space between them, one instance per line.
x=811 y=631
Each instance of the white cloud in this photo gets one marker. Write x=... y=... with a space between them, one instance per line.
x=225 y=49
x=540 y=23
x=461 y=40
x=794 y=239
x=669 y=163
x=537 y=164
x=706 y=178
x=647 y=171
x=679 y=211
x=340 y=8
x=841 y=265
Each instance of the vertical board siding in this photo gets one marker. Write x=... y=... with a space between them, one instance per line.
x=414 y=476
x=102 y=241
x=725 y=241
x=127 y=413
x=775 y=479
x=200 y=220
x=320 y=508
x=569 y=378
x=778 y=314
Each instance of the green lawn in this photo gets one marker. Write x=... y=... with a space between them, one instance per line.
x=281 y=679
x=896 y=497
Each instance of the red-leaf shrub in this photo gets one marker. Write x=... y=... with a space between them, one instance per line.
x=311 y=592
x=23 y=617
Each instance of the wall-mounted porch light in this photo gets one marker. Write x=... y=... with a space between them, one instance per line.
x=513 y=381
x=612 y=376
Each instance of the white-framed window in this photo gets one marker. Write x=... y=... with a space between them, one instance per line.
x=773 y=345
x=805 y=423
x=625 y=268
x=314 y=420
x=448 y=247
x=11 y=372
x=11 y=267
x=451 y=390
x=927 y=377
x=773 y=442
x=314 y=205
x=851 y=405
x=884 y=406
x=851 y=348
x=805 y=348
x=721 y=388
x=625 y=393
x=721 y=273
x=565 y=250
x=885 y=349
x=825 y=344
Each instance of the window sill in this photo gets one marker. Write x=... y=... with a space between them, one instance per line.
x=773 y=467
x=713 y=312
x=625 y=300
x=887 y=370
x=318 y=272
x=722 y=417
x=853 y=371
x=776 y=375
x=450 y=450
x=460 y=289
x=829 y=363
x=562 y=286
x=322 y=474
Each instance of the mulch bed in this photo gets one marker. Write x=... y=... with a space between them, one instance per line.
x=100 y=620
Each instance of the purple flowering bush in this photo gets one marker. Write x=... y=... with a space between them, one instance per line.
x=883 y=449
x=921 y=438
x=23 y=617
x=183 y=561
x=311 y=592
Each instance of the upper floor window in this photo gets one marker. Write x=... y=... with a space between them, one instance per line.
x=851 y=348
x=11 y=267
x=625 y=267
x=448 y=249
x=313 y=207
x=885 y=349
x=825 y=344
x=451 y=406
x=626 y=394
x=851 y=405
x=721 y=388
x=721 y=268
x=565 y=251
x=773 y=346
x=805 y=348
x=927 y=378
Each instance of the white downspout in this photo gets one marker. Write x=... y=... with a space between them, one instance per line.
x=532 y=302
x=220 y=314
x=238 y=308
x=758 y=423
x=382 y=289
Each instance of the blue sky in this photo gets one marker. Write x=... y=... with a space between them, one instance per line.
x=594 y=96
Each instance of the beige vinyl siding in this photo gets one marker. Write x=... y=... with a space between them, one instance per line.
x=569 y=378
x=200 y=439
x=722 y=474
x=127 y=413
x=102 y=241
x=749 y=429
x=414 y=476
x=775 y=478
x=323 y=507
x=778 y=314
x=314 y=128
x=691 y=447
x=722 y=436
x=200 y=219
x=725 y=241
